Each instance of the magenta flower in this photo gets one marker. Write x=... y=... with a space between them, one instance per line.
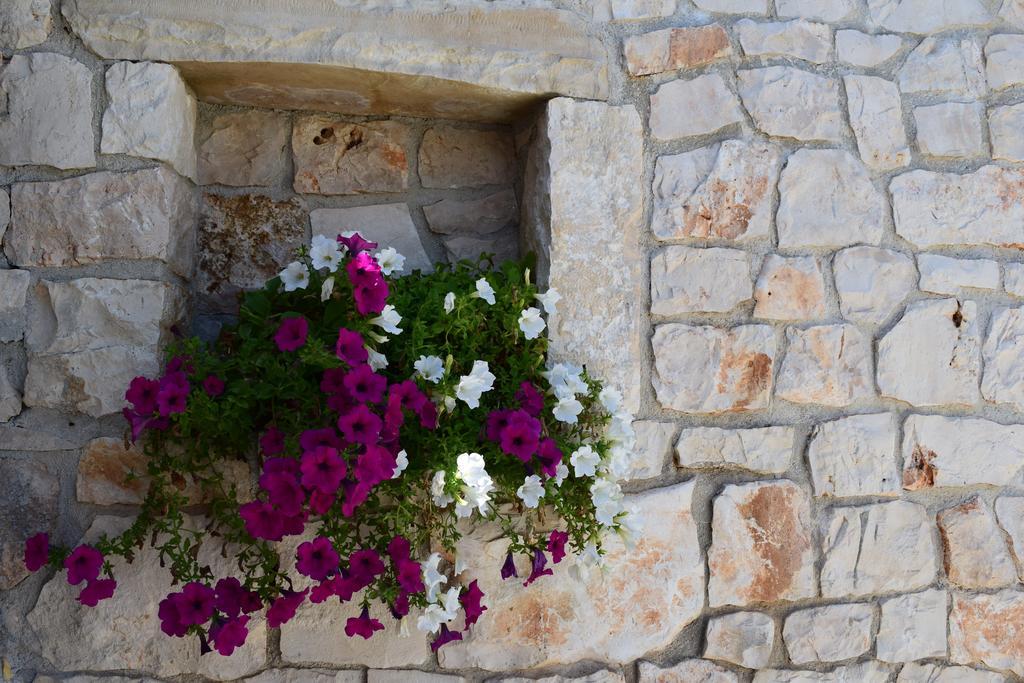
x=320 y=503
x=350 y=347
x=83 y=564
x=137 y=423
x=170 y=619
x=399 y=549
x=410 y=576
x=550 y=456
x=283 y=491
x=172 y=396
x=363 y=270
x=521 y=436
x=371 y=299
x=346 y=586
x=400 y=607
x=428 y=415
x=283 y=608
x=446 y=636
x=96 y=590
x=322 y=591
x=213 y=386
x=294 y=524
x=355 y=495
x=497 y=420
x=37 y=551
x=538 y=569
x=272 y=441
x=291 y=335
x=472 y=603
x=363 y=384
x=281 y=465
x=228 y=596
x=375 y=465
x=530 y=399
x=262 y=520
x=355 y=243
x=407 y=394
x=556 y=545
x=195 y=603
x=311 y=439
x=360 y=425
x=142 y=394
x=365 y=565
x=317 y=559
x=229 y=635
x=322 y=469
x=509 y=568
x=362 y=625
x=332 y=381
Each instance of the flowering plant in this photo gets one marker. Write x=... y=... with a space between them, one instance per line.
x=382 y=417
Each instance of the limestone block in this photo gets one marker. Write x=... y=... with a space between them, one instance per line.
x=821 y=10
x=13 y=290
x=855 y=456
x=687 y=108
x=29 y=500
x=790 y=288
x=335 y=157
x=675 y=48
x=976 y=552
x=734 y=6
x=5 y=212
x=1004 y=61
x=1013 y=12
x=1013 y=279
x=945 y=275
x=601 y=676
x=768 y=94
x=985 y=630
x=913 y=627
x=24 y=23
x=653 y=451
x=390 y=225
x=826 y=364
x=464 y=157
x=407 y=676
x=763 y=449
x=1002 y=381
x=10 y=400
x=504 y=245
x=1004 y=127
x=828 y=634
x=630 y=10
x=865 y=49
x=933 y=673
x=865 y=672
x=802 y=39
x=950 y=129
x=957 y=451
x=927 y=16
x=743 y=638
x=682 y=277
x=876 y=116
x=872 y=283
x=946 y=66
x=244 y=149
x=307 y=676
x=686 y=671
x=486 y=216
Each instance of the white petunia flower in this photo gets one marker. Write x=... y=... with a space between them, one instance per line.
x=401 y=462
x=390 y=261
x=531 y=491
x=432 y=619
x=566 y=379
x=441 y=499
x=476 y=493
x=430 y=368
x=561 y=472
x=388 y=320
x=585 y=562
x=460 y=565
x=377 y=361
x=451 y=602
x=449 y=403
x=485 y=291
x=610 y=398
x=326 y=289
x=295 y=276
x=584 y=461
x=619 y=462
x=549 y=300
x=432 y=578
x=531 y=323
x=630 y=527
x=325 y=253
x=472 y=386
x=620 y=430
x=449 y=302
x=607 y=497
x=567 y=409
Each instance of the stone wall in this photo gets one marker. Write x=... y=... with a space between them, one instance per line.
x=792 y=232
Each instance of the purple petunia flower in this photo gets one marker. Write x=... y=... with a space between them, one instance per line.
x=410 y=576
x=137 y=423
x=283 y=608
x=356 y=494
x=229 y=635
x=362 y=625
x=365 y=565
x=360 y=425
x=142 y=394
x=428 y=415
x=83 y=564
x=371 y=299
x=228 y=596
x=320 y=503
x=550 y=456
x=375 y=465
x=355 y=243
x=291 y=335
x=283 y=491
x=213 y=386
x=170 y=619
x=538 y=569
x=312 y=439
x=521 y=436
x=399 y=549
x=400 y=607
x=365 y=385
x=446 y=636
x=363 y=270
x=262 y=520
x=497 y=420
x=172 y=396
x=530 y=399
x=350 y=347
x=272 y=441
x=332 y=381
x=97 y=590
x=509 y=568
x=472 y=604
x=322 y=469
x=37 y=551
x=317 y=559
x=556 y=545
x=195 y=603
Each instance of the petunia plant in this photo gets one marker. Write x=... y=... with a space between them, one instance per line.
x=381 y=417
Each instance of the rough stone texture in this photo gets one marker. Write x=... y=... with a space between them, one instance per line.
x=826 y=364
x=932 y=356
x=686 y=671
x=864 y=49
x=1013 y=279
x=387 y=224
x=913 y=627
x=29 y=499
x=244 y=149
x=5 y=212
x=723 y=191
x=1013 y=12
x=1010 y=513
x=766 y=449
x=933 y=673
x=1004 y=127
x=769 y=92
x=628 y=10
x=675 y=48
x=10 y=396
x=604 y=618
x=986 y=630
x=822 y=10
x=876 y=116
x=653 y=452
x=244 y=240
x=946 y=275
x=1002 y=381
x=680 y=279
x=48 y=118
x=828 y=634
x=790 y=288
x=713 y=370
x=855 y=456
x=1004 y=61
x=504 y=246
x=761 y=545
x=687 y=108
x=405 y=676
x=948 y=66
x=151 y=114
x=845 y=210
x=878 y=548
x=865 y=672
x=464 y=157
x=139 y=215
x=335 y=157
x=13 y=290
x=872 y=283
x=306 y=676
x=734 y=6
x=951 y=451
x=24 y=23
x=927 y=16
x=950 y=129
x=602 y=676
x=977 y=554
x=801 y=39
x=743 y=638
x=486 y=216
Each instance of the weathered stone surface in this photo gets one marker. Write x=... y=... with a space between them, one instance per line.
x=503 y=244
x=822 y=10
x=723 y=191
x=927 y=16
x=734 y=6
x=985 y=630
x=1004 y=127
x=843 y=211
x=713 y=370
x=466 y=157
x=10 y=398
x=629 y=10
x=100 y=334
x=498 y=211
x=950 y=66
x=139 y=215
x=1013 y=279
x=768 y=94
x=602 y=676
x=48 y=119
x=764 y=449
x=388 y=224
x=977 y=554
x=123 y=633
x=743 y=638
x=761 y=545
x=826 y=364
x=876 y=116
x=865 y=49
x=950 y=129
x=790 y=288
x=13 y=290
x=1013 y=12
x=801 y=39
x=42 y=430
x=933 y=673
x=244 y=148
x=932 y=356
x=946 y=275
x=855 y=456
x=150 y=113
x=335 y=157
x=5 y=212
x=24 y=23
x=686 y=671
x=1010 y=513
x=675 y=48
x=878 y=548
x=913 y=627
x=689 y=280
x=653 y=451
x=85 y=678
x=591 y=150
x=561 y=621
x=698 y=106
x=406 y=676
x=828 y=634
x=865 y=672
x=872 y=283
x=951 y=451
x=1004 y=61
x=937 y=209
x=29 y=497
x=306 y=676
